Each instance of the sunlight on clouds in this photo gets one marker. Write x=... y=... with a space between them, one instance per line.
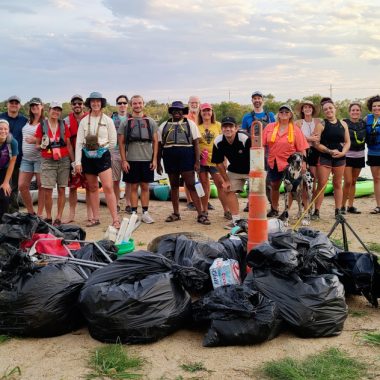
x=371 y=54
x=64 y=4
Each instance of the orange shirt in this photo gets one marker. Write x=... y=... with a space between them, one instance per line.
x=280 y=150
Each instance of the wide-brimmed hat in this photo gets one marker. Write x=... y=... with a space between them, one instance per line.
x=178 y=105
x=95 y=95
x=299 y=107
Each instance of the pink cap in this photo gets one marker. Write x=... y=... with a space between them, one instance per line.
x=204 y=106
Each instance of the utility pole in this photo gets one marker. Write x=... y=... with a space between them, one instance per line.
x=229 y=95
x=331 y=91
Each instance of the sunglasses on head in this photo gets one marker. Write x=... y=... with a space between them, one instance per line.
x=121 y=103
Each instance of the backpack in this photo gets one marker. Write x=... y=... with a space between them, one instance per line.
x=265 y=120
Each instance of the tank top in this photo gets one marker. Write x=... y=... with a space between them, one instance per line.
x=307 y=128
x=332 y=136
x=358 y=133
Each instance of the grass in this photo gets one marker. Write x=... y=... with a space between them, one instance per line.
x=4 y=338
x=113 y=362
x=372 y=338
x=11 y=374
x=331 y=364
x=374 y=247
x=337 y=241
x=193 y=367
x=357 y=313
x=140 y=243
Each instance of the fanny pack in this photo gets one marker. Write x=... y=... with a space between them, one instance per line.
x=92 y=148
x=97 y=153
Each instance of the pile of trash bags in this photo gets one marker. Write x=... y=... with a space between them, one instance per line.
x=296 y=281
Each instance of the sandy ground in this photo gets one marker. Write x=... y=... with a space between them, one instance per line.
x=66 y=357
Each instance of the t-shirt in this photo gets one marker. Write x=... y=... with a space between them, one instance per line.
x=47 y=153
x=118 y=120
x=4 y=152
x=193 y=130
x=139 y=150
x=30 y=151
x=281 y=149
x=261 y=116
x=236 y=153
x=208 y=135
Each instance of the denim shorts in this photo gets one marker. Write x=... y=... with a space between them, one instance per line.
x=28 y=166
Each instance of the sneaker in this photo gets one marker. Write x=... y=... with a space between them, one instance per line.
x=246 y=208
x=353 y=210
x=272 y=213
x=210 y=206
x=227 y=215
x=315 y=216
x=190 y=206
x=229 y=226
x=128 y=210
x=146 y=218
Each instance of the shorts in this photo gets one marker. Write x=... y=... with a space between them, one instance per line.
x=373 y=160
x=357 y=163
x=77 y=180
x=209 y=169
x=274 y=175
x=55 y=172
x=116 y=167
x=95 y=166
x=28 y=166
x=331 y=162
x=178 y=159
x=312 y=157
x=139 y=172
x=237 y=181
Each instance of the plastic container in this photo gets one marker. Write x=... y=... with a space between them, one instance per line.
x=125 y=247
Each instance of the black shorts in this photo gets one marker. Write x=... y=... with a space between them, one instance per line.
x=312 y=157
x=178 y=159
x=357 y=163
x=373 y=160
x=331 y=162
x=96 y=165
x=274 y=175
x=139 y=172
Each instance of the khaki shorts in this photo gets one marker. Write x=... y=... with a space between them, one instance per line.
x=237 y=181
x=55 y=172
x=116 y=166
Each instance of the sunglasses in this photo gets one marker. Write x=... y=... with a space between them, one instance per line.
x=122 y=103
x=77 y=104
x=284 y=111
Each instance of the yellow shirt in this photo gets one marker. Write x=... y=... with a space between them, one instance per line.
x=208 y=136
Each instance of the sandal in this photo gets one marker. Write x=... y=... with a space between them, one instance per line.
x=173 y=218
x=93 y=223
x=203 y=219
x=353 y=210
x=57 y=223
x=48 y=220
x=376 y=210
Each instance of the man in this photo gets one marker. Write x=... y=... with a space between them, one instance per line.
x=76 y=180
x=234 y=146
x=138 y=145
x=16 y=123
x=265 y=118
x=118 y=118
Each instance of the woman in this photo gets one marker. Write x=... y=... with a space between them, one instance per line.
x=96 y=136
x=178 y=140
x=53 y=139
x=372 y=121
x=282 y=139
x=209 y=128
x=8 y=156
x=334 y=142
x=31 y=158
x=355 y=157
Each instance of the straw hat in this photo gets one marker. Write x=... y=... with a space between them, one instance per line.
x=299 y=107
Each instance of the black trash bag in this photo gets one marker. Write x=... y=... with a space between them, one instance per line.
x=313 y=306
x=360 y=274
x=72 y=232
x=288 y=240
x=46 y=228
x=238 y=316
x=42 y=302
x=91 y=252
x=135 y=299
x=265 y=256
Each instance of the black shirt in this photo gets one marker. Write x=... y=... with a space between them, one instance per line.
x=236 y=153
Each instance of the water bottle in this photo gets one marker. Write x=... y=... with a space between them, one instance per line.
x=204 y=157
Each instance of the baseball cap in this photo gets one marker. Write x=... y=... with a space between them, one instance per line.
x=205 y=106
x=228 y=120
x=14 y=97
x=76 y=96
x=257 y=93
x=286 y=106
x=35 y=101
x=56 y=105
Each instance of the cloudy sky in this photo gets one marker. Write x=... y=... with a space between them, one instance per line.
x=170 y=49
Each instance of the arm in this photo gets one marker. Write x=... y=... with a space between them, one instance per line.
x=196 y=154
x=318 y=132
x=153 y=165
x=78 y=146
x=226 y=181
x=159 y=156
x=70 y=149
x=8 y=175
x=122 y=149
x=112 y=135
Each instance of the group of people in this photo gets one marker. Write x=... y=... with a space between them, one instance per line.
x=89 y=146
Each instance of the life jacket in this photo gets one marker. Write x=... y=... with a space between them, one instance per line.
x=373 y=132
x=117 y=120
x=6 y=152
x=358 y=133
x=177 y=133
x=45 y=129
x=136 y=131
x=264 y=121
x=73 y=124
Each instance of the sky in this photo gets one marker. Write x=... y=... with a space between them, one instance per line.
x=167 y=50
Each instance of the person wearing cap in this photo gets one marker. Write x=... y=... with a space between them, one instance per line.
x=233 y=145
x=119 y=118
x=333 y=144
x=308 y=112
x=16 y=122
x=76 y=180
x=31 y=158
x=209 y=129
x=8 y=156
x=178 y=140
x=138 y=144
x=53 y=138
x=96 y=136
x=282 y=139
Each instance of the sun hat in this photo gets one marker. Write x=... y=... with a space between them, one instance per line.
x=299 y=107
x=95 y=95
x=179 y=106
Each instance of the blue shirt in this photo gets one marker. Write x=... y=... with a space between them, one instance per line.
x=15 y=126
x=261 y=116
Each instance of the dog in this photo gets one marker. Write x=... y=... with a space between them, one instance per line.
x=294 y=183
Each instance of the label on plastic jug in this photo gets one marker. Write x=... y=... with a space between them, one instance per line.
x=225 y=272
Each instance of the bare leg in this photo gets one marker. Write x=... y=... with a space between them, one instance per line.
x=93 y=195
x=127 y=194
x=48 y=202
x=205 y=181
x=375 y=170
x=41 y=196
x=348 y=171
x=73 y=199
x=61 y=202
x=351 y=196
x=107 y=183
x=134 y=194
x=144 y=194
x=189 y=179
x=275 y=194
x=24 y=180
x=323 y=174
x=174 y=190
x=116 y=190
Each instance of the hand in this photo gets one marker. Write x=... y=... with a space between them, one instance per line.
x=125 y=166
x=304 y=168
x=159 y=169
x=30 y=139
x=153 y=165
x=336 y=154
x=197 y=166
x=78 y=169
x=6 y=188
x=314 y=138
x=226 y=186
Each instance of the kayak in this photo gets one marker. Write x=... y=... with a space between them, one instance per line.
x=364 y=188
x=162 y=192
